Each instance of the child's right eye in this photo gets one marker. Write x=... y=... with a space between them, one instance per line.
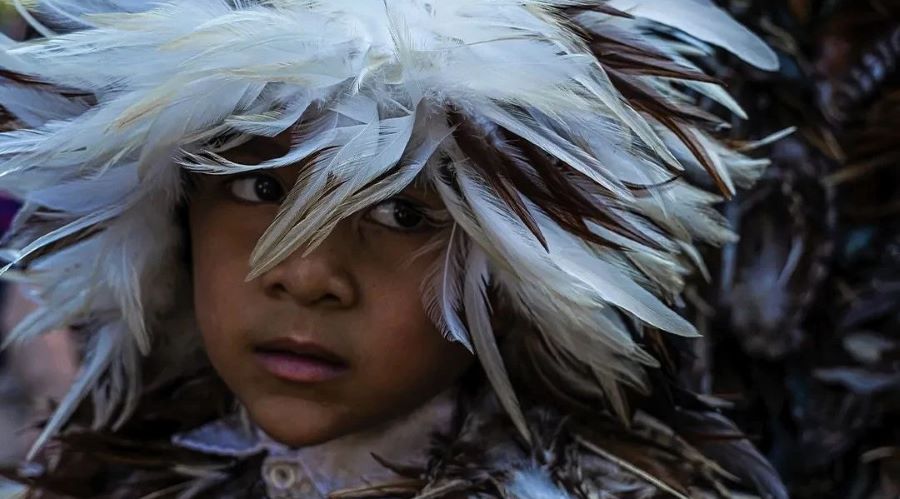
x=258 y=188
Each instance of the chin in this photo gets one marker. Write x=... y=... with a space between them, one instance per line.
x=298 y=423
x=294 y=436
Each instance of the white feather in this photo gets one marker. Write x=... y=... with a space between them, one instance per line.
x=478 y=317
x=102 y=351
x=534 y=484
x=705 y=21
x=442 y=295
x=69 y=229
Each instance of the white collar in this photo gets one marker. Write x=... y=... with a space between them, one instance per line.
x=346 y=462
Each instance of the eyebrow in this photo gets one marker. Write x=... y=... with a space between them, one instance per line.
x=426 y=196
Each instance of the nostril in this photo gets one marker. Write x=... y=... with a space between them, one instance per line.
x=330 y=299
x=278 y=289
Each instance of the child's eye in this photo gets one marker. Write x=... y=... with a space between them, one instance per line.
x=259 y=188
x=400 y=215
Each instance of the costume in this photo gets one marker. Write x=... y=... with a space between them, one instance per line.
x=565 y=139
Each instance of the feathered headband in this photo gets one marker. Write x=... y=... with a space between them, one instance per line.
x=560 y=135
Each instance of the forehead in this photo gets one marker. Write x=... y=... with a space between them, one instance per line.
x=259 y=149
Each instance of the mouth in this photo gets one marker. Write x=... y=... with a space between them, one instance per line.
x=299 y=361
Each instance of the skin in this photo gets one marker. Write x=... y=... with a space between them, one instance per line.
x=358 y=295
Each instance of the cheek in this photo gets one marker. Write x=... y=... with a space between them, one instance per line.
x=221 y=246
x=402 y=349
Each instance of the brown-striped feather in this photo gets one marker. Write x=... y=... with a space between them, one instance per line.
x=490 y=163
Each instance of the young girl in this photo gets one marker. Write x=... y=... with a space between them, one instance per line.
x=428 y=249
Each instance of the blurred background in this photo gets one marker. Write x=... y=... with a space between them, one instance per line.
x=801 y=318
x=32 y=376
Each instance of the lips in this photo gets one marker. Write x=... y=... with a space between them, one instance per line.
x=299 y=361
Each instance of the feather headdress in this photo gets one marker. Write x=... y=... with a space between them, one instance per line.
x=560 y=135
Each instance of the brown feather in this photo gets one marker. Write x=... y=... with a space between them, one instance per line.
x=641 y=63
x=601 y=8
x=699 y=153
x=493 y=166
x=643 y=99
x=569 y=205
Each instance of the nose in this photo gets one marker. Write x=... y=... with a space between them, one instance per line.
x=316 y=280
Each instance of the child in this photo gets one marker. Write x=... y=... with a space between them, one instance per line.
x=426 y=247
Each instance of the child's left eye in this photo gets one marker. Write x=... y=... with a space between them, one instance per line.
x=400 y=215
x=258 y=188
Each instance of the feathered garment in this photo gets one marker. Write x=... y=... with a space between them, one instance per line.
x=564 y=138
x=459 y=445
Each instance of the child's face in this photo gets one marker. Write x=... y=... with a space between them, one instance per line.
x=326 y=345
